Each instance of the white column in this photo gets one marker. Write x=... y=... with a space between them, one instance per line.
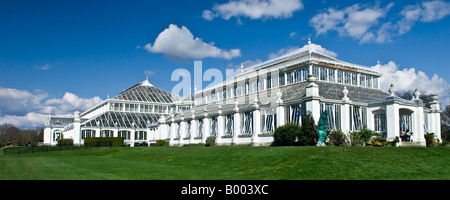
x=132 y=137
x=392 y=122
x=279 y=110
x=237 y=124
x=435 y=117
x=345 y=118
x=206 y=128
x=194 y=129
x=173 y=130
x=183 y=131
x=256 y=126
x=220 y=126
x=76 y=129
x=312 y=95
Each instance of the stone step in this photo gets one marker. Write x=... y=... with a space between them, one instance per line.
x=411 y=144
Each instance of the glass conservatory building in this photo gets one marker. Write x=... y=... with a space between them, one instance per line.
x=133 y=115
x=246 y=108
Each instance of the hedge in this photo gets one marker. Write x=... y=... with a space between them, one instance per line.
x=104 y=141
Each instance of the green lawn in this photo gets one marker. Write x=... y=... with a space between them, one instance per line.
x=231 y=163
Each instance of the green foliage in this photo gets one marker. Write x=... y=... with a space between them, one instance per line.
x=285 y=135
x=65 y=142
x=362 y=137
x=160 y=143
x=378 y=140
x=430 y=140
x=307 y=135
x=211 y=141
x=104 y=141
x=337 y=138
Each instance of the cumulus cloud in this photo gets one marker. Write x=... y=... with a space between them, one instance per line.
x=409 y=79
x=30 y=120
x=70 y=103
x=368 y=24
x=254 y=9
x=19 y=102
x=355 y=21
x=179 y=44
x=26 y=109
x=425 y=12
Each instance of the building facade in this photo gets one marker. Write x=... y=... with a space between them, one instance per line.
x=246 y=108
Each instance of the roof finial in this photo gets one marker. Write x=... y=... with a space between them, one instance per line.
x=378 y=62
x=309 y=40
x=146 y=78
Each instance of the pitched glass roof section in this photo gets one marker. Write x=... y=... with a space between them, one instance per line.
x=122 y=120
x=146 y=92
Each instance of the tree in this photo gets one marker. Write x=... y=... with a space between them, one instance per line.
x=445 y=124
x=307 y=135
x=11 y=135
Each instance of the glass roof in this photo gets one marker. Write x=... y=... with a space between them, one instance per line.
x=147 y=93
x=122 y=120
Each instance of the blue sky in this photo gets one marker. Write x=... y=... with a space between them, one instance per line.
x=61 y=56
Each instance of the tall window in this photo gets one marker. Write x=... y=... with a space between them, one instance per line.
x=290 y=77
x=248 y=123
x=214 y=127
x=323 y=74
x=281 y=80
x=334 y=115
x=362 y=80
x=268 y=125
x=298 y=75
x=380 y=122
x=188 y=130
x=340 y=76
x=269 y=82
x=229 y=125
x=358 y=117
x=354 y=79
x=369 y=81
x=316 y=71
x=348 y=79
x=124 y=134
x=296 y=114
x=305 y=74
x=200 y=129
x=331 y=75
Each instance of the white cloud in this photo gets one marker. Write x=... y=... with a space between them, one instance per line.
x=70 y=103
x=43 y=67
x=30 y=120
x=149 y=72
x=19 y=102
x=368 y=24
x=21 y=107
x=179 y=44
x=409 y=79
x=355 y=21
x=254 y=9
x=426 y=12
